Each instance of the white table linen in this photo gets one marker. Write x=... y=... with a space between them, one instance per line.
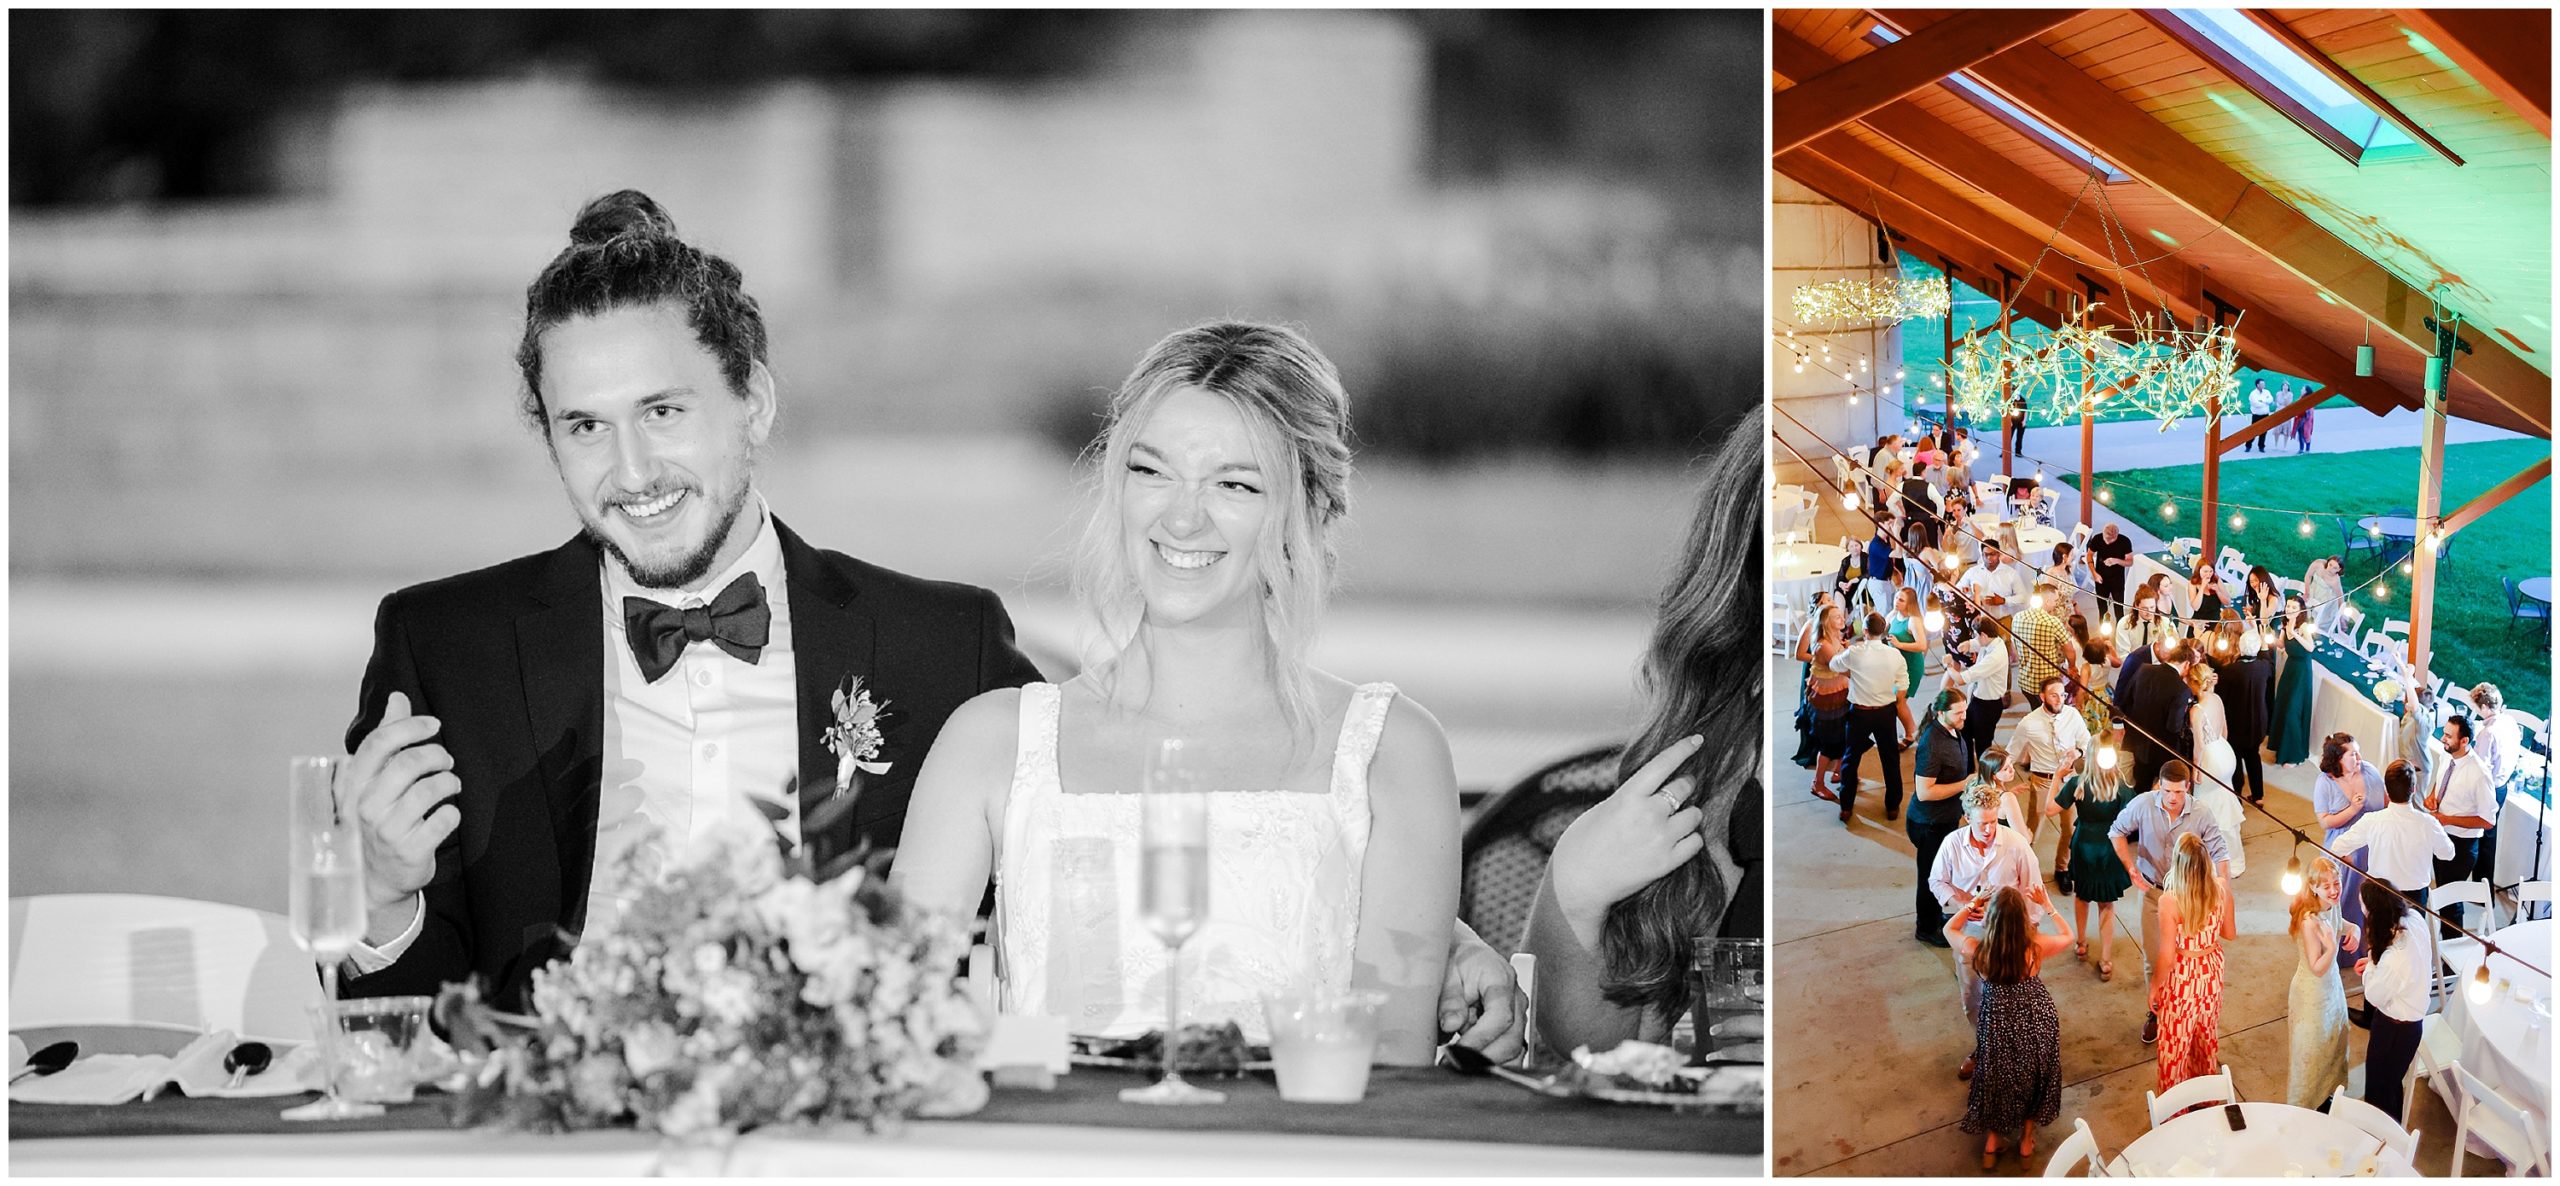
x=2506 y=1042
x=2280 y=1139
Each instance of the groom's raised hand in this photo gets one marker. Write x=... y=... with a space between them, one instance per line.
x=402 y=782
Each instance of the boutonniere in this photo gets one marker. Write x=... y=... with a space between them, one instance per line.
x=855 y=737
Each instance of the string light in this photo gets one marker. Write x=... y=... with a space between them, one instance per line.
x=2291 y=884
x=2107 y=756
x=2479 y=988
x=2169 y=511
x=1934 y=620
x=2106 y=627
x=2239 y=522
x=2379 y=592
x=1848 y=500
x=2107 y=494
x=2306 y=527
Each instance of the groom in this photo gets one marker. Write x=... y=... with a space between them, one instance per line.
x=680 y=652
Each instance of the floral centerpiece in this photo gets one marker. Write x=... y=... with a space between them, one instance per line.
x=738 y=991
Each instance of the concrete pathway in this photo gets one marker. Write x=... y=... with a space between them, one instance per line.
x=2140 y=444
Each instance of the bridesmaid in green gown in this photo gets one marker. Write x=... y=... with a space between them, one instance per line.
x=2290 y=730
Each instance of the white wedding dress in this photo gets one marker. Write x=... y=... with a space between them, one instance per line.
x=1284 y=889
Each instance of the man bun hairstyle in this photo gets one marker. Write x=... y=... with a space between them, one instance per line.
x=623 y=251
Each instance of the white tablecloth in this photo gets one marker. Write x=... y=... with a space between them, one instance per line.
x=2280 y=1138
x=2337 y=707
x=1801 y=570
x=1788 y=510
x=2506 y=1042
x=2519 y=822
x=926 y=1149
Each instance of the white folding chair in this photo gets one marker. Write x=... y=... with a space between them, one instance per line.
x=2527 y=721
x=2530 y=892
x=2489 y=1115
x=2080 y=1146
x=2449 y=900
x=2377 y=646
x=2203 y=1089
x=145 y=962
x=2438 y=1047
x=2350 y=620
x=2375 y=1123
x=1840 y=470
x=2232 y=560
x=1784 y=621
x=2184 y=545
x=2395 y=627
x=2079 y=539
x=2288 y=585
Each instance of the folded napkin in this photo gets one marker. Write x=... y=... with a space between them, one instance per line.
x=195 y=1071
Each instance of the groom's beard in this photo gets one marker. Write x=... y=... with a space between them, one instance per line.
x=685 y=569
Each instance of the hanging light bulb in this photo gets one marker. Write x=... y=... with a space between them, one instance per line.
x=2292 y=881
x=2106 y=627
x=2039 y=475
x=2379 y=592
x=2405 y=570
x=2267 y=640
x=2035 y=600
x=2478 y=989
x=1934 y=620
x=1799 y=368
x=2169 y=511
x=2374 y=530
x=1888 y=389
x=1848 y=500
x=2222 y=644
x=2306 y=527
x=2435 y=542
x=1897 y=372
x=2107 y=494
x=2239 y=521
x=1853 y=397
x=1948 y=562
x=2107 y=756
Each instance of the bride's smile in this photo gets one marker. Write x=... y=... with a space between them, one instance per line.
x=1193 y=510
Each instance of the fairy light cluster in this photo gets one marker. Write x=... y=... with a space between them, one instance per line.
x=1856 y=303
x=2155 y=365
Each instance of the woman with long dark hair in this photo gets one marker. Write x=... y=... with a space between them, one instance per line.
x=1674 y=855
x=2017 y=1036
x=2395 y=991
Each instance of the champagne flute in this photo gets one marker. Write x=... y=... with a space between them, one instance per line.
x=1173 y=894
x=324 y=849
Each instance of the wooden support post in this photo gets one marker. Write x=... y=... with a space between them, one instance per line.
x=2003 y=422
x=2422 y=559
x=2088 y=439
x=2211 y=512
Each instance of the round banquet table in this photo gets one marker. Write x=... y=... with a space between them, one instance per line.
x=2507 y=1042
x=2281 y=1139
x=1800 y=570
x=2035 y=540
x=2537 y=588
x=2395 y=529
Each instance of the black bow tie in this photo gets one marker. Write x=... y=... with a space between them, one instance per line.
x=737 y=620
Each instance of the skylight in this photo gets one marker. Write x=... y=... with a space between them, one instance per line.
x=2016 y=117
x=2279 y=74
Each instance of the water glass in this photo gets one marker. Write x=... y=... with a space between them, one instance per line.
x=1173 y=894
x=380 y=1046
x=324 y=892
x=1731 y=986
x=1322 y=1043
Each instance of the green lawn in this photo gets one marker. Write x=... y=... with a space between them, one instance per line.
x=2472 y=639
x=1924 y=350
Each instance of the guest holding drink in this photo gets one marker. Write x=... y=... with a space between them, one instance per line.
x=2017 y=1035
x=1665 y=861
x=2289 y=732
x=1983 y=857
x=1827 y=691
x=2316 y=1004
x=1985 y=678
x=2195 y=920
x=2347 y=788
x=1225 y=471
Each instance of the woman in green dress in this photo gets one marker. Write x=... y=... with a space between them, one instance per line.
x=2098 y=878
x=1910 y=634
x=2289 y=732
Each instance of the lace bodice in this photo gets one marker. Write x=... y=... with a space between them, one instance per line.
x=1284 y=889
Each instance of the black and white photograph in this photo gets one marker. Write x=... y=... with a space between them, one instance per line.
x=886 y=591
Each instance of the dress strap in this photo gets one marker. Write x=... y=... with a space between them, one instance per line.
x=1362 y=724
x=1035 y=747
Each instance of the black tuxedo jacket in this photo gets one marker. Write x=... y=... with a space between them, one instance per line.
x=2248 y=700
x=510 y=660
x=2158 y=704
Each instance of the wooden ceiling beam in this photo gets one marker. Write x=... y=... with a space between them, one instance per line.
x=2128 y=138
x=2507 y=50
x=2273 y=26
x=2266 y=341
x=1857 y=87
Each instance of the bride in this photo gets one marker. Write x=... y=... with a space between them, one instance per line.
x=1334 y=822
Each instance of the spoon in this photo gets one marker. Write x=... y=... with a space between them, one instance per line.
x=48 y=1060
x=246 y=1059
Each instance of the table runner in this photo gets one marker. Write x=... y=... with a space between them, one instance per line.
x=1404 y=1102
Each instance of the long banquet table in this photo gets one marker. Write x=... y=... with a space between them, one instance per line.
x=1415 y=1121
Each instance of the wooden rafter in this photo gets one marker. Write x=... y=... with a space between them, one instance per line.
x=2490 y=499
x=2301 y=404
x=2059 y=93
x=2507 y=50
x=2274 y=26
x=1854 y=88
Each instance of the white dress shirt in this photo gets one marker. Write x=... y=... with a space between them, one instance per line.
x=2393 y=983
x=2464 y=783
x=711 y=731
x=2043 y=735
x=2008 y=583
x=1988 y=677
x=2403 y=845
x=1877 y=673
x=2497 y=740
x=1962 y=869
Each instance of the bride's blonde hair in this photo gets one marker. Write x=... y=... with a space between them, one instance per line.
x=1299 y=420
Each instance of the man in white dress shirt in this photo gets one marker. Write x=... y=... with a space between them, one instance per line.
x=1998 y=588
x=2402 y=844
x=1879 y=713
x=2462 y=801
x=2050 y=741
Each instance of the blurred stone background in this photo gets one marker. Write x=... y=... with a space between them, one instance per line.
x=266 y=277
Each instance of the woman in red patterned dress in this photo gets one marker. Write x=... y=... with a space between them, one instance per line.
x=2195 y=919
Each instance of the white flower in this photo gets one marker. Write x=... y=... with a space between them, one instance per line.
x=698 y=1109
x=730 y=998
x=710 y=958
x=648 y=1047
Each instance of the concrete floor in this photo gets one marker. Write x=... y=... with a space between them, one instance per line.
x=1869 y=1026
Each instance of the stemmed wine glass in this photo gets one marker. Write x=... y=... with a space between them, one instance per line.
x=1173 y=894
x=324 y=849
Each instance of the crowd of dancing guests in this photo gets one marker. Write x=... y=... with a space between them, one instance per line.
x=2140 y=737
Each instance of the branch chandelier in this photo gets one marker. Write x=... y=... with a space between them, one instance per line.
x=2154 y=363
x=1868 y=302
